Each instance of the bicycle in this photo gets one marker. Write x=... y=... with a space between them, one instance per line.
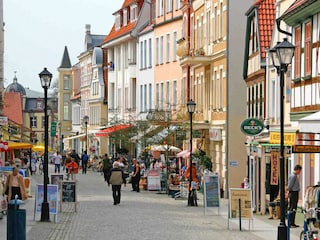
x=309 y=232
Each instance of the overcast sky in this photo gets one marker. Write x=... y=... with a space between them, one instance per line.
x=36 y=32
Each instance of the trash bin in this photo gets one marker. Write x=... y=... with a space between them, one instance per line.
x=16 y=221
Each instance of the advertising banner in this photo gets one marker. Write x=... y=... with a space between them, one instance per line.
x=275 y=161
x=245 y=197
x=52 y=198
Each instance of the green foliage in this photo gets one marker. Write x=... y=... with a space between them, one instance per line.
x=203 y=159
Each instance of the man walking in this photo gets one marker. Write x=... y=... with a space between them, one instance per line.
x=294 y=189
x=84 y=162
x=116 y=179
x=57 y=161
x=106 y=167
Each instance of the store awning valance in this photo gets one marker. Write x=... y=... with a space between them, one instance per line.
x=109 y=130
x=19 y=145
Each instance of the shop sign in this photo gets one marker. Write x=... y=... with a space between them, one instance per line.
x=215 y=134
x=275 y=160
x=289 y=138
x=251 y=126
x=306 y=149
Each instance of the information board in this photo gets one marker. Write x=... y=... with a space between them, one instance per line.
x=68 y=191
x=211 y=191
x=153 y=180
x=246 y=203
x=52 y=198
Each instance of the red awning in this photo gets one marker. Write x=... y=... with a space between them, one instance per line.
x=109 y=130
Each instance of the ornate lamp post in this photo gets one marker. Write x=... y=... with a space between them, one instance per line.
x=86 y=120
x=191 y=108
x=45 y=78
x=281 y=56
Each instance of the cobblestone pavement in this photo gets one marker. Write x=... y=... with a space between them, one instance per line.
x=140 y=216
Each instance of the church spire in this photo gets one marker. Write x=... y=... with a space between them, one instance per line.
x=65 y=63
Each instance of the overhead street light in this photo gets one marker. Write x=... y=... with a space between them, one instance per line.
x=85 y=121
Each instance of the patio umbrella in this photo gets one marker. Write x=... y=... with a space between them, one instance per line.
x=163 y=148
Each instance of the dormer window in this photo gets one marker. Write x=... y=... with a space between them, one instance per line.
x=118 y=21
x=125 y=17
x=133 y=12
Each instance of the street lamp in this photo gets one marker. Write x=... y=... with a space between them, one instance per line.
x=86 y=120
x=191 y=108
x=45 y=78
x=281 y=56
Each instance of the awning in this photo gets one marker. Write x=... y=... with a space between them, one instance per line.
x=19 y=145
x=162 y=134
x=109 y=130
x=74 y=137
x=184 y=154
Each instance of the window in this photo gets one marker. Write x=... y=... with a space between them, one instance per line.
x=150 y=95
x=157 y=51
x=297 y=52
x=160 y=8
x=39 y=104
x=141 y=98
x=133 y=13
x=145 y=54
x=66 y=107
x=174 y=55
x=261 y=100
x=215 y=37
x=150 y=52
x=221 y=88
x=141 y=54
x=178 y=4
x=161 y=95
x=248 y=102
x=208 y=27
x=157 y=96
x=125 y=17
x=307 y=49
x=168 y=94
x=174 y=95
x=118 y=21
x=42 y=121
x=169 y=6
x=66 y=82
x=257 y=100
x=161 y=50
x=221 y=20
x=145 y=98
x=168 y=48
x=252 y=101
x=33 y=122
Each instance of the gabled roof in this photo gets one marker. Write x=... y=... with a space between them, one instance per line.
x=13 y=106
x=114 y=34
x=119 y=33
x=297 y=5
x=266 y=19
x=65 y=63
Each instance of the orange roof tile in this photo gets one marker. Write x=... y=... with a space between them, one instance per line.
x=266 y=18
x=13 y=106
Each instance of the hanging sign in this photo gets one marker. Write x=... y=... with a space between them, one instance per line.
x=251 y=126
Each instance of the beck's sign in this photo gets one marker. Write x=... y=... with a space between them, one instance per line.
x=251 y=126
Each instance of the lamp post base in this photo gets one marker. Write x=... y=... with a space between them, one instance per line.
x=282 y=232
x=45 y=216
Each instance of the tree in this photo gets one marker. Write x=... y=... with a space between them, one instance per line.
x=203 y=159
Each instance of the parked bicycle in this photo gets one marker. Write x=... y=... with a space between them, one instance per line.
x=309 y=232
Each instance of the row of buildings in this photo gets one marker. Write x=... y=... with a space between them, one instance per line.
x=159 y=54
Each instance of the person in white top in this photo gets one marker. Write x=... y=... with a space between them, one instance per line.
x=119 y=160
x=57 y=161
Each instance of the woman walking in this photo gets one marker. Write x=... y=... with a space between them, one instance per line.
x=116 y=179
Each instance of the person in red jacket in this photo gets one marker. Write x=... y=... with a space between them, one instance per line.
x=73 y=168
x=194 y=173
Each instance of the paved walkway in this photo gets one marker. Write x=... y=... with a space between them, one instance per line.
x=140 y=216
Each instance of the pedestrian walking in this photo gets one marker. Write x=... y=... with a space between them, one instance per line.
x=107 y=166
x=116 y=179
x=294 y=189
x=135 y=178
x=57 y=158
x=84 y=162
x=15 y=186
